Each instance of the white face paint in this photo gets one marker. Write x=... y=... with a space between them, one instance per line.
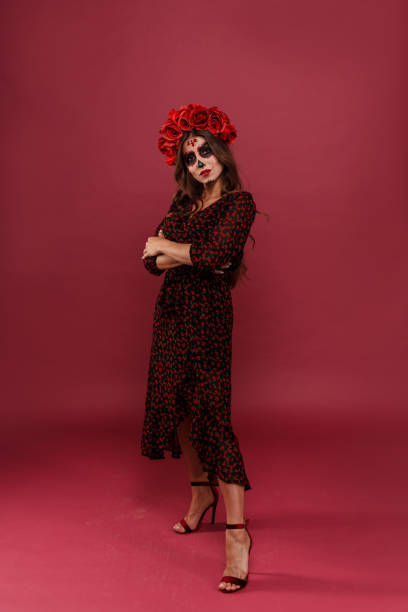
x=199 y=158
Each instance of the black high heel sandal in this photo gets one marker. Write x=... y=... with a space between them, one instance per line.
x=213 y=505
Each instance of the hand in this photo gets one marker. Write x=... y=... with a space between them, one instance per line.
x=224 y=266
x=154 y=245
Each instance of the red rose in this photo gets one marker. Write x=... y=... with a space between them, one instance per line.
x=165 y=146
x=186 y=107
x=184 y=120
x=199 y=117
x=227 y=119
x=173 y=115
x=215 y=109
x=229 y=133
x=215 y=121
x=170 y=131
x=171 y=159
x=169 y=149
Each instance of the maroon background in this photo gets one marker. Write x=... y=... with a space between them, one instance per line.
x=317 y=100
x=317 y=92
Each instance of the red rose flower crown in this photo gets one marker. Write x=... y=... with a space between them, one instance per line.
x=190 y=117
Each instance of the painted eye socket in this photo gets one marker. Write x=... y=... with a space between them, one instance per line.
x=205 y=150
x=190 y=159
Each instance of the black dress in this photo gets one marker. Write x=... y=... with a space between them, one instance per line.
x=190 y=360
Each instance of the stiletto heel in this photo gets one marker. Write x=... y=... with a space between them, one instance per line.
x=241 y=582
x=213 y=505
x=213 y=514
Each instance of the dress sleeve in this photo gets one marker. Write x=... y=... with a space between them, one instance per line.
x=227 y=240
x=150 y=261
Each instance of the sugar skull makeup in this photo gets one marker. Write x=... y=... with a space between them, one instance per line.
x=200 y=160
x=204 y=151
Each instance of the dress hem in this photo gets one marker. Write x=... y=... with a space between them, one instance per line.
x=214 y=472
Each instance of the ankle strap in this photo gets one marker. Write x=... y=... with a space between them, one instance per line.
x=200 y=483
x=235 y=525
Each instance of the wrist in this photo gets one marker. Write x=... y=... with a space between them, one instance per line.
x=164 y=245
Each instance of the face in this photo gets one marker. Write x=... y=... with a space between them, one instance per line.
x=199 y=159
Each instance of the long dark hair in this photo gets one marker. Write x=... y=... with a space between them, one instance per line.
x=190 y=190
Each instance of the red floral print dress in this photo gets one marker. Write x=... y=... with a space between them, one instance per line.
x=190 y=361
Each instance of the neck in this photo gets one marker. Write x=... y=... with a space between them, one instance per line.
x=212 y=189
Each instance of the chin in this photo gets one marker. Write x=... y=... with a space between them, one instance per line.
x=205 y=181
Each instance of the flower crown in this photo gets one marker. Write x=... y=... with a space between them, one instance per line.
x=193 y=117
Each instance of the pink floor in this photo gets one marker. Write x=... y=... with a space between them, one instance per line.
x=86 y=523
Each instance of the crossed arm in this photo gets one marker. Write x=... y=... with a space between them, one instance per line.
x=180 y=257
x=168 y=254
x=163 y=262
x=224 y=243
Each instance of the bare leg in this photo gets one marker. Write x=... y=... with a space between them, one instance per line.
x=200 y=496
x=236 y=540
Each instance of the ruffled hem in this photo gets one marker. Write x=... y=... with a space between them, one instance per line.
x=172 y=446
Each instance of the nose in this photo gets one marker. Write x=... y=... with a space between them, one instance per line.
x=200 y=163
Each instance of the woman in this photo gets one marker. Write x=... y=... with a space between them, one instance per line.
x=200 y=244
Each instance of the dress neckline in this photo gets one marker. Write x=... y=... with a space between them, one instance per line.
x=209 y=206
